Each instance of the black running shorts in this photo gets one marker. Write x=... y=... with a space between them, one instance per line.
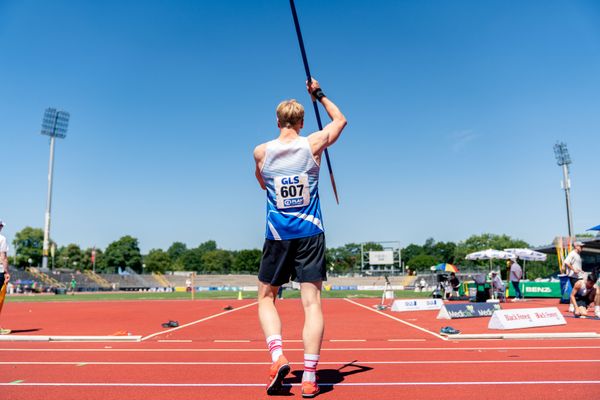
x=302 y=260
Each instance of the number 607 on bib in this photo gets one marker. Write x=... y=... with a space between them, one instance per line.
x=292 y=191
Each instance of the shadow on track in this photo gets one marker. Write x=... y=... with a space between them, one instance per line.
x=328 y=377
x=25 y=330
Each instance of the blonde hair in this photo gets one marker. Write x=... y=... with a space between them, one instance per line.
x=289 y=113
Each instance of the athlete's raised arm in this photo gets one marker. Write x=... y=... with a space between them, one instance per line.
x=259 y=158
x=320 y=140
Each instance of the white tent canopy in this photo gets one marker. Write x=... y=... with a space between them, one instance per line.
x=527 y=254
x=490 y=254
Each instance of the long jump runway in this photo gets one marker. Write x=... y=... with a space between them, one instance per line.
x=217 y=353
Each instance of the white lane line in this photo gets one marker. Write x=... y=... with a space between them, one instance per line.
x=453 y=383
x=397 y=319
x=231 y=341
x=194 y=350
x=174 y=341
x=197 y=321
x=406 y=340
x=578 y=361
x=292 y=340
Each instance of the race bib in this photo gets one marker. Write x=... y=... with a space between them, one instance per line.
x=292 y=191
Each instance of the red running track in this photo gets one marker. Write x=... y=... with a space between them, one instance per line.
x=366 y=355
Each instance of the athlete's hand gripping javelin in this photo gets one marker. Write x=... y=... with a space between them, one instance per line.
x=330 y=133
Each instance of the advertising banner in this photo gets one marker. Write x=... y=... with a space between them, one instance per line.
x=417 y=304
x=526 y=318
x=472 y=310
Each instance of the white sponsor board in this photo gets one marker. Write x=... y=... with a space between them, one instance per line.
x=537 y=289
x=381 y=257
x=526 y=318
x=417 y=304
x=378 y=287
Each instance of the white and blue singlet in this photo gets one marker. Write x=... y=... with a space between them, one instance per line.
x=291 y=176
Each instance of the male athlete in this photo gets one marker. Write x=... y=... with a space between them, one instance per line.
x=4 y=275
x=288 y=169
x=585 y=293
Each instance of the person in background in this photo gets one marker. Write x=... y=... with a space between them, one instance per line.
x=574 y=267
x=454 y=284
x=498 y=286
x=573 y=264
x=585 y=293
x=515 y=276
x=73 y=285
x=4 y=275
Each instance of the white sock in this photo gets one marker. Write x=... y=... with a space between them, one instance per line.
x=597 y=309
x=274 y=345
x=310 y=367
x=571 y=308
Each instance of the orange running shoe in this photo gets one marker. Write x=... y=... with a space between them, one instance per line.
x=279 y=370
x=310 y=389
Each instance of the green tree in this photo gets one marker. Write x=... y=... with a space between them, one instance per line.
x=209 y=245
x=123 y=253
x=176 y=250
x=86 y=258
x=421 y=263
x=411 y=251
x=540 y=269
x=157 y=261
x=341 y=260
x=444 y=252
x=246 y=261
x=216 y=262
x=69 y=256
x=191 y=260
x=344 y=259
x=486 y=241
x=371 y=246
x=28 y=244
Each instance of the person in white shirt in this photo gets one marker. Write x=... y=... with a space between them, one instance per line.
x=4 y=275
x=573 y=264
x=498 y=287
x=515 y=275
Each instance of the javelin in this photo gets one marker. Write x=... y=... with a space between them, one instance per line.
x=316 y=108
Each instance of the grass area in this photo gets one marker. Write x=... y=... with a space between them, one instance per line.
x=115 y=296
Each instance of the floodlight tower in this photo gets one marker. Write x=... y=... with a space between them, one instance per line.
x=563 y=159
x=54 y=124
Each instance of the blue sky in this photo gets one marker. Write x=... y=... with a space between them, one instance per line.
x=453 y=109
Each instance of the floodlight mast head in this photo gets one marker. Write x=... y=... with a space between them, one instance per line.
x=563 y=159
x=562 y=154
x=54 y=124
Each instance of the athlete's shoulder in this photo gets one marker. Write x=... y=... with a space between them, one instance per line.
x=260 y=151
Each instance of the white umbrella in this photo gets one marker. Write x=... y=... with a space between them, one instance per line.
x=527 y=254
x=490 y=254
